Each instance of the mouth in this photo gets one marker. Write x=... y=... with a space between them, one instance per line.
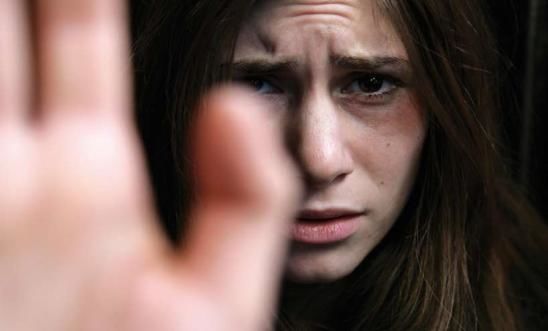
x=326 y=226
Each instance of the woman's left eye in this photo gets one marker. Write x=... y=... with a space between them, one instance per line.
x=370 y=85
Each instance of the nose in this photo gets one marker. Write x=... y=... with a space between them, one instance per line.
x=319 y=143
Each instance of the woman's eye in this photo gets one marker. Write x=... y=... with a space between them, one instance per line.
x=262 y=86
x=370 y=85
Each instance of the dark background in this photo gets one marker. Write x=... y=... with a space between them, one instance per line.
x=522 y=31
x=521 y=28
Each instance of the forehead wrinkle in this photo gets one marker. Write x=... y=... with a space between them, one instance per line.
x=321 y=23
x=341 y=9
x=252 y=37
x=261 y=37
x=269 y=21
x=320 y=15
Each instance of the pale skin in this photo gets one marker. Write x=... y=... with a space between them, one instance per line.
x=358 y=142
x=79 y=237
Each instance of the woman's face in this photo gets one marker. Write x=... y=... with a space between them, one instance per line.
x=338 y=72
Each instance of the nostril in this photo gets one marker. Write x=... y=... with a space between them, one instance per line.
x=341 y=177
x=315 y=183
x=323 y=166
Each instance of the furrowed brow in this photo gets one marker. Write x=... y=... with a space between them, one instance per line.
x=371 y=63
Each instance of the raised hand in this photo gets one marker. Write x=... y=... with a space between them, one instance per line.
x=80 y=248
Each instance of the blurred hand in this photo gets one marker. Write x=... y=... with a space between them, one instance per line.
x=80 y=247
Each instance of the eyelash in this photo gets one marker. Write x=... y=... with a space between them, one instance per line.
x=380 y=86
x=383 y=86
x=252 y=82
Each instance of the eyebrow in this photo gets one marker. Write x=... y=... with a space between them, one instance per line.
x=371 y=63
x=350 y=63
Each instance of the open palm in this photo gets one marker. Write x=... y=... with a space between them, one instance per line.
x=80 y=248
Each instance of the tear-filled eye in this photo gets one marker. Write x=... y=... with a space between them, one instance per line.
x=371 y=84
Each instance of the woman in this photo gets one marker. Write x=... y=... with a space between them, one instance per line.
x=409 y=220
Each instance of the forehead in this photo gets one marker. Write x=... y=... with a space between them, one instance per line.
x=344 y=27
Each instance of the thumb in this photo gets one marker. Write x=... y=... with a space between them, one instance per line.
x=248 y=193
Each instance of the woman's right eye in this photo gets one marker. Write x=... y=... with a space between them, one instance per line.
x=262 y=86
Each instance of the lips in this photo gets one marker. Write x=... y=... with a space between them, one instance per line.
x=326 y=226
x=327 y=214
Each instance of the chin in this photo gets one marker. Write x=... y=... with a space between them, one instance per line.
x=312 y=275
x=320 y=264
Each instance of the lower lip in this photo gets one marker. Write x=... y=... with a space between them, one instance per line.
x=325 y=231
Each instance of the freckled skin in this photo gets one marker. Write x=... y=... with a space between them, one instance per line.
x=358 y=155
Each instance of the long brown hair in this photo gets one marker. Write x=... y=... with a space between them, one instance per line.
x=467 y=251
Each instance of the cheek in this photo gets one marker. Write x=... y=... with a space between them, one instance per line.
x=387 y=145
